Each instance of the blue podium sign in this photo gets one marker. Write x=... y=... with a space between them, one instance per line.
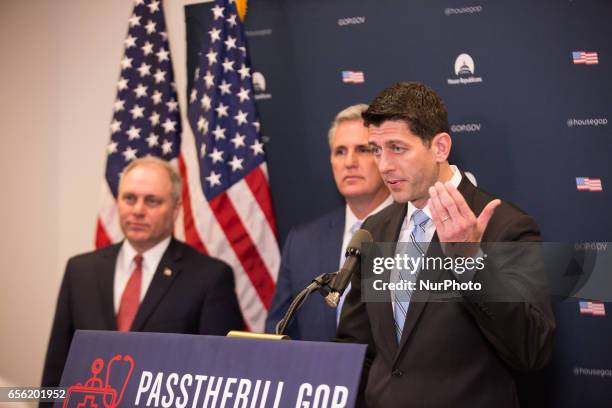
x=110 y=369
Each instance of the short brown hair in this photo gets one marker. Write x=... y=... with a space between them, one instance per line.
x=414 y=103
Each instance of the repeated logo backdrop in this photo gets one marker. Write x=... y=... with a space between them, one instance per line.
x=528 y=86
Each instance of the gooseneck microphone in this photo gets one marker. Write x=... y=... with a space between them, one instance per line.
x=330 y=285
x=351 y=263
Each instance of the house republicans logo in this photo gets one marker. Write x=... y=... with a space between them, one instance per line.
x=259 y=86
x=464 y=71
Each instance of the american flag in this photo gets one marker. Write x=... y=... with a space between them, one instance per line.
x=593 y=308
x=355 y=77
x=231 y=203
x=588 y=184
x=584 y=57
x=146 y=119
x=227 y=209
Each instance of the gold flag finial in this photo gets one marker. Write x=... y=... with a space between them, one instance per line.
x=241 y=5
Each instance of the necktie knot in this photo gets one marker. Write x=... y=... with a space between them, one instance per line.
x=355 y=227
x=138 y=261
x=420 y=218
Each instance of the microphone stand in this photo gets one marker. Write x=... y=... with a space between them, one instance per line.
x=320 y=283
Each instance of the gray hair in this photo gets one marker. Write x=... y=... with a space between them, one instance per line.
x=353 y=112
x=175 y=178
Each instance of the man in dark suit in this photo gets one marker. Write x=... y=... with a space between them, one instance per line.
x=149 y=282
x=317 y=247
x=440 y=354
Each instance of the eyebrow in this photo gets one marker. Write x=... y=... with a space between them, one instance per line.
x=356 y=146
x=389 y=142
x=145 y=196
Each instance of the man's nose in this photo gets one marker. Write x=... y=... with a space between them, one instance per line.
x=351 y=159
x=139 y=207
x=384 y=163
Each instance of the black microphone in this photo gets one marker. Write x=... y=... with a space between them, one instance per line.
x=353 y=255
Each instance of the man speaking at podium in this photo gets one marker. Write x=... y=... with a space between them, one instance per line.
x=150 y=282
x=439 y=354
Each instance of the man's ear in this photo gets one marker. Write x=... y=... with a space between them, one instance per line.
x=176 y=210
x=441 y=145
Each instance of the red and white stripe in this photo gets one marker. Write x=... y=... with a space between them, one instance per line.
x=590 y=58
x=107 y=225
x=237 y=227
x=591 y=185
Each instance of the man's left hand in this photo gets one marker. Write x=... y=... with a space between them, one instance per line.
x=453 y=218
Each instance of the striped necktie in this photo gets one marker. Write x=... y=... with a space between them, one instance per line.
x=401 y=298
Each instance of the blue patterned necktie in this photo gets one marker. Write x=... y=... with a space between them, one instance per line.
x=354 y=229
x=401 y=299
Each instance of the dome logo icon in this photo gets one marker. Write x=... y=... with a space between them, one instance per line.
x=464 y=71
x=464 y=65
x=259 y=86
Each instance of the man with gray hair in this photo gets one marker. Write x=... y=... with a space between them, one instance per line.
x=149 y=282
x=359 y=182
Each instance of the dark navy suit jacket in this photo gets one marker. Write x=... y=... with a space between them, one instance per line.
x=197 y=298
x=310 y=250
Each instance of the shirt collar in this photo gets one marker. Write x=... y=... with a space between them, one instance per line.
x=455 y=180
x=150 y=257
x=350 y=218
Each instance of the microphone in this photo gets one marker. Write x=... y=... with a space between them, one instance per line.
x=351 y=263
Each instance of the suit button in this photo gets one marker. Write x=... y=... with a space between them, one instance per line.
x=397 y=373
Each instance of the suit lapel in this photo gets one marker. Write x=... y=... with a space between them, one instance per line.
x=467 y=190
x=162 y=280
x=105 y=272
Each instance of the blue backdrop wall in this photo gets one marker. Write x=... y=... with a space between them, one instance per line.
x=527 y=119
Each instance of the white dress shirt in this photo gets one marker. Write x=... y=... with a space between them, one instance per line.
x=125 y=266
x=350 y=219
x=430 y=227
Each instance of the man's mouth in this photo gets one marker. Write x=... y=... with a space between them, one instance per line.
x=137 y=226
x=352 y=178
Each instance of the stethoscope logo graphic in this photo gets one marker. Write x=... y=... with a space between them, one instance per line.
x=94 y=387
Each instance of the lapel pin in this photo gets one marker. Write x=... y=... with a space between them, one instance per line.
x=168 y=272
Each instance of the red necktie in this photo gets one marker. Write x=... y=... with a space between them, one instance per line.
x=130 y=297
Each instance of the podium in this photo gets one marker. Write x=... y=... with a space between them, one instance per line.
x=111 y=369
